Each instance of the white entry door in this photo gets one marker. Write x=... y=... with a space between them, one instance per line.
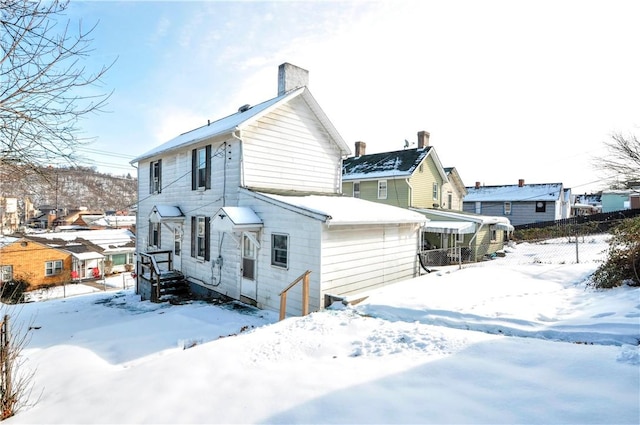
x=249 y=284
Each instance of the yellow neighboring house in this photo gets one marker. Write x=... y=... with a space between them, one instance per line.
x=36 y=263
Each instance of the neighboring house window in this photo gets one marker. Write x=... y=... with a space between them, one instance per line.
x=52 y=268
x=248 y=259
x=6 y=274
x=356 y=189
x=435 y=191
x=541 y=206
x=421 y=168
x=507 y=208
x=119 y=259
x=450 y=200
x=200 y=244
x=155 y=176
x=460 y=237
x=279 y=250
x=201 y=168
x=177 y=242
x=494 y=235
x=382 y=189
x=478 y=207
x=154 y=235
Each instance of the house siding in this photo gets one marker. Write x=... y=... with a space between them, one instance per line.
x=286 y=144
x=397 y=191
x=422 y=184
x=305 y=234
x=521 y=212
x=357 y=259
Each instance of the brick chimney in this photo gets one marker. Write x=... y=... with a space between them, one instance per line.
x=360 y=148
x=477 y=185
x=521 y=183
x=423 y=139
x=291 y=77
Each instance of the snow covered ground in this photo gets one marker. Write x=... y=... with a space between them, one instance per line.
x=519 y=339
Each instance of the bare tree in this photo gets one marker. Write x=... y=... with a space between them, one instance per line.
x=623 y=160
x=44 y=87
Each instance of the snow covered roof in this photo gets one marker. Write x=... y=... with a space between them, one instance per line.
x=241 y=119
x=108 y=239
x=447 y=216
x=515 y=193
x=161 y=213
x=231 y=219
x=344 y=210
x=387 y=164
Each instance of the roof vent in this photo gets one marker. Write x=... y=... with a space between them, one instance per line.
x=244 y=108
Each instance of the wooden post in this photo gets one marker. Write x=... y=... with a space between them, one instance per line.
x=283 y=305
x=305 y=294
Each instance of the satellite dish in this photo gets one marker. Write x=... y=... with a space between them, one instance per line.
x=406 y=143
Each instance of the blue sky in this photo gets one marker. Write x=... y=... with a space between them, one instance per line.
x=507 y=89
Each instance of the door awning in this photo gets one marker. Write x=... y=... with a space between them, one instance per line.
x=236 y=219
x=450 y=227
x=87 y=255
x=161 y=213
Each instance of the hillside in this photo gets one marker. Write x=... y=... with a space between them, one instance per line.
x=72 y=187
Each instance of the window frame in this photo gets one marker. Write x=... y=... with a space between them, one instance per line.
x=275 y=250
x=53 y=267
x=6 y=270
x=507 y=208
x=542 y=208
x=356 y=191
x=155 y=233
x=478 y=207
x=201 y=170
x=195 y=227
x=382 y=191
x=155 y=176
x=435 y=191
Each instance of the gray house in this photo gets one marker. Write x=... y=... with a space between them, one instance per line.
x=521 y=203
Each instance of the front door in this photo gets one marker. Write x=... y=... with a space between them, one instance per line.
x=249 y=284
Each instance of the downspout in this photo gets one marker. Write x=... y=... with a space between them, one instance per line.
x=471 y=241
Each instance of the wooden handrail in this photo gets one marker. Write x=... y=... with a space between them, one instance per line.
x=305 y=294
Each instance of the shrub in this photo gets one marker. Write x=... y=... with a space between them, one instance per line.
x=622 y=265
x=13 y=291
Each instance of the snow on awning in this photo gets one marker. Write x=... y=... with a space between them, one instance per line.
x=161 y=213
x=450 y=227
x=87 y=255
x=235 y=219
x=503 y=226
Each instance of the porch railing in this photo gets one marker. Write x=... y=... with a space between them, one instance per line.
x=304 y=277
x=151 y=266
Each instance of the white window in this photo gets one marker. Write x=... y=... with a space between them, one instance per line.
x=356 y=189
x=154 y=235
x=6 y=273
x=382 y=189
x=52 y=268
x=460 y=237
x=279 y=250
x=201 y=240
x=507 y=208
x=435 y=191
x=155 y=176
x=201 y=168
x=478 y=207
x=177 y=242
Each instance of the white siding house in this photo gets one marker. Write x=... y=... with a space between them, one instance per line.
x=246 y=204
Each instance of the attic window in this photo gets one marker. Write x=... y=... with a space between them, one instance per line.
x=541 y=206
